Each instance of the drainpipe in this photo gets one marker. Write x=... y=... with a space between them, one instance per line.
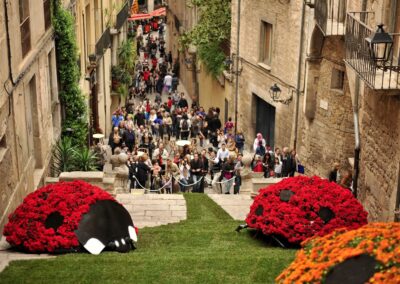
x=237 y=66
x=357 y=137
x=296 y=121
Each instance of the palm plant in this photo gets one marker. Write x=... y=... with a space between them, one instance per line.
x=63 y=160
x=85 y=159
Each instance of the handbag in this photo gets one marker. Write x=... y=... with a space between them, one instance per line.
x=300 y=169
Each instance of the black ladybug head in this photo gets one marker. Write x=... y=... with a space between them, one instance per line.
x=107 y=224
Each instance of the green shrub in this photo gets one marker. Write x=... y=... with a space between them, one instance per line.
x=72 y=99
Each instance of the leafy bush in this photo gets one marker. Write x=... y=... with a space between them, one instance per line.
x=70 y=94
x=211 y=31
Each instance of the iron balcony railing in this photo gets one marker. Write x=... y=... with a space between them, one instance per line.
x=122 y=16
x=330 y=16
x=358 y=55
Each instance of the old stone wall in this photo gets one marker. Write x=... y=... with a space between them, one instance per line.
x=29 y=107
x=380 y=154
x=329 y=135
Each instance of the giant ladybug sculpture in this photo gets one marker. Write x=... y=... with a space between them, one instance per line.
x=70 y=217
x=301 y=207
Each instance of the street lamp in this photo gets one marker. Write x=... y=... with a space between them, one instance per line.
x=380 y=45
x=275 y=92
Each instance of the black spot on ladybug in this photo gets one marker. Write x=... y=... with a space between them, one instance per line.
x=326 y=214
x=355 y=270
x=259 y=210
x=54 y=220
x=285 y=195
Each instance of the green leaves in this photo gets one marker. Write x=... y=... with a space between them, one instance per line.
x=213 y=28
x=68 y=157
x=70 y=94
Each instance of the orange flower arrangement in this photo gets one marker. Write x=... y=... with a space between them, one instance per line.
x=321 y=255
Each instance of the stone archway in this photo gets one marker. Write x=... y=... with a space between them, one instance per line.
x=312 y=72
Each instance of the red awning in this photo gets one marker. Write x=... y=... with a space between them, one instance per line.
x=159 y=12
x=137 y=17
x=156 y=13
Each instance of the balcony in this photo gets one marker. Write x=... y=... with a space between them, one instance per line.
x=358 y=55
x=122 y=16
x=330 y=16
x=103 y=43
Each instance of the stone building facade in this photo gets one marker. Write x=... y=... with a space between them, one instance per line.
x=29 y=104
x=351 y=107
x=269 y=47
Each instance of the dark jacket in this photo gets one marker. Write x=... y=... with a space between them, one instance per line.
x=288 y=166
x=195 y=165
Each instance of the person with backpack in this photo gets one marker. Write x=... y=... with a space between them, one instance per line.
x=185 y=127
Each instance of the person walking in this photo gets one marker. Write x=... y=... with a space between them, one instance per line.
x=227 y=174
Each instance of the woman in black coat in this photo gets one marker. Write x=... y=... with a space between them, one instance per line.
x=142 y=172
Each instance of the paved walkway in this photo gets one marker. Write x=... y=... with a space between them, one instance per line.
x=7 y=255
x=151 y=210
x=237 y=206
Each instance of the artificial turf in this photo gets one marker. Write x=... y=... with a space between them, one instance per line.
x=203 y=249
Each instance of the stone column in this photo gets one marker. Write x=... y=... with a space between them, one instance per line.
x=150 y=6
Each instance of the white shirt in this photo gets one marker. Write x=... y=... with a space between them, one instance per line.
x=222 y=155
x=256 y=143
x=168 y=80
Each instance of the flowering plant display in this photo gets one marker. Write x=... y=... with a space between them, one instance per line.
x=300 y=207
x=370 y=254
x=48 y=217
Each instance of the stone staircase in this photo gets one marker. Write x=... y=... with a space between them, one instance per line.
x=237 y=206
x=151 y=210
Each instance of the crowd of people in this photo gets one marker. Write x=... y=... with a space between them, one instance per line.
x=173 y=146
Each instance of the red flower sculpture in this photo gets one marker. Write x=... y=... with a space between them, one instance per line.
x=301 y=207
x=48 y=217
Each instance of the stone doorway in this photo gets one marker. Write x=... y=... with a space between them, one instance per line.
x=265 y=120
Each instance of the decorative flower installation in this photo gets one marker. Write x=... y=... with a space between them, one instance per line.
x=370 y=254
x=301 y=207
x=49 y=219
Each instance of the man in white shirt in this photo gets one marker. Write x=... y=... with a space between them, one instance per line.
x=222 y=154
x=168 y=82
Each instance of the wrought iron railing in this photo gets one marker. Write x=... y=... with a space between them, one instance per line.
x=358 y=55
x=330 y=16
x=103 y=43
x=122 y=16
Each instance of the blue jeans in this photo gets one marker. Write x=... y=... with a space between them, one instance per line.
x=182 y=183
x=227 y=185
x=196 y=185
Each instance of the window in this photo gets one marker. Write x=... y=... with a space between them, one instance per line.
x=337 y=79
x=47 y=13
x=24 y=26
x=266 y=43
